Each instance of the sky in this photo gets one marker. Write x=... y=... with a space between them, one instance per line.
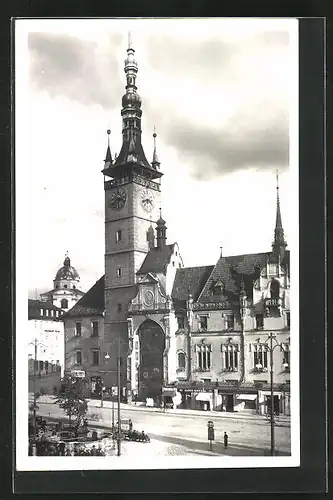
x=221 y=94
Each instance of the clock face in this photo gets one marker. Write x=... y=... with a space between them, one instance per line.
x=118 y=199
x=147 y=199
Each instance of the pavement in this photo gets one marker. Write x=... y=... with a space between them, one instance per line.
x=175 y=432
x=96 y=403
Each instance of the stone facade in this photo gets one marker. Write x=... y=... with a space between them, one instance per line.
x=201 y=336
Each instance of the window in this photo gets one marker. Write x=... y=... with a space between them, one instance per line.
x=41 y=366
x=229 y=322
x=286 y=355
x=118 y=272
x=57 y=286
x=65 y=286
x=181 y=360
x=288 y=319
x=136 y=356
x=41 y=312
x=94 y=329
x=118 y=235
x=275 y=289
x=204 y=356
x=203 y=322
x=260 y=356
x=95 y=357
x=260 y=321
x=46 y=312
x=78 y=360
x=136 y=344
x=119 y=307
x=173 y=263
x=52 y=312
x=74 y=287
x=64 y=304
x=230 y=357
x=181 y=322
x=78 y=331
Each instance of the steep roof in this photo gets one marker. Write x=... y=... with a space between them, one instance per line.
x=91 y=304
x=157 y=259
x=189 y=280
x=35 y=306
x=231 y=271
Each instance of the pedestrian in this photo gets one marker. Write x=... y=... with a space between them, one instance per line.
x=130 y=423
x=225 y=439
x=94 y=451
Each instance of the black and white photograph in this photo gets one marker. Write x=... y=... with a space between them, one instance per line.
x=157 y=287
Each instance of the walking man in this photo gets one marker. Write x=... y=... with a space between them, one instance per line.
x=225 y=439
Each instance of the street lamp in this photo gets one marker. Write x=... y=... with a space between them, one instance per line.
x=107 y=357
x=35 y=343
x=270 y=347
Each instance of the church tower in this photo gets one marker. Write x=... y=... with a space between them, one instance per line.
x=132 y=201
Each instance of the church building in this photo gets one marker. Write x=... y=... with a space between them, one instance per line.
x=197 y=337
x=65 y=292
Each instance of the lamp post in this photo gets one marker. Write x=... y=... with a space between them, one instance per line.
x=107 y=357
x=270 y=347
x=35 y=343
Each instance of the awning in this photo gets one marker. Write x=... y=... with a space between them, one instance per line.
x=204 y=396
x=169 y=392
x=246 y=397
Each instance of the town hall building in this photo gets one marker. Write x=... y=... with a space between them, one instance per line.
x=197 y=336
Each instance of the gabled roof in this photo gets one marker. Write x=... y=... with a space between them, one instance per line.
x=35 y=306
x=157 y=259
x=231 y=271
x=189 y=280
x=91 y=304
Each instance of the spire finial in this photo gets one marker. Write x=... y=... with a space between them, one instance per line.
x=279 y=242
x=221 y=248
x=129 y=40
x=66 y=254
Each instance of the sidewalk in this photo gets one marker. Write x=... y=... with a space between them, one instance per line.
x=96 y=403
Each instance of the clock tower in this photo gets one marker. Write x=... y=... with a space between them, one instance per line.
x=132 y=202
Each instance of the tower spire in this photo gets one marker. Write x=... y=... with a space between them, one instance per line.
x=108 y=156
x=279 y=243
x=155 y=163
x=131 y=156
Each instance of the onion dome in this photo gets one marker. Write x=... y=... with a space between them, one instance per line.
x=131 y=99
x=67 y=272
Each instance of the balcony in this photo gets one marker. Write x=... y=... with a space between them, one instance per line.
x=259 y=369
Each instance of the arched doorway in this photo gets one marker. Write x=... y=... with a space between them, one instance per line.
x=152 y=345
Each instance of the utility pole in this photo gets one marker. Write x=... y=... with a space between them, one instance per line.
x=272 y=394
x=35 y=399
x=118 y=393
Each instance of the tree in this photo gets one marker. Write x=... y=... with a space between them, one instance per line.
x=72 y=399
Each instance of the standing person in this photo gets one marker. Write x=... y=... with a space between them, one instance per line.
x=130 y=424
x=225 y=439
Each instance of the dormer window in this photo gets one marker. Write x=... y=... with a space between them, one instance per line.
x=65 y=286
x=218 y=287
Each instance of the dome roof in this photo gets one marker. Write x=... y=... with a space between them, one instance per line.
x=67 y=272
x=131 y=99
